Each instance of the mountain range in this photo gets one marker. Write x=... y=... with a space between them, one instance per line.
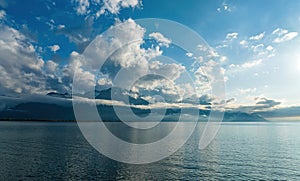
x=58 y=107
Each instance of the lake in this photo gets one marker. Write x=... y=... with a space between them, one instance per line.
x=241 y=151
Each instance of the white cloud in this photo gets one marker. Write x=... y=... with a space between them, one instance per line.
x=223 y=59
x=212 y=53
x=206 y=75
x=280 y=31
x=224 y=7
x=103 y=81
x=163 y=41
x=100 y=7
x=244 y=43
x=61 y=27
x=189 y=54
x=169 y=71
x=21 y=71
x=119 y=34
x=114 y=6
x=231 y=36
x=131 y=58
x=233 y=68
x=258 y=37
x=202 y=48
x=251 y=63
x=54 y=48
x=51 y=66
x=85 y=78
x=2 y=14
x=82 y=6
x=270 y=48
x=286 y=37
x=258 y=48
x=283 y=35
x=247 y=91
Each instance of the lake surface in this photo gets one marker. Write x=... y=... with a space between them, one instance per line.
x=42 y=150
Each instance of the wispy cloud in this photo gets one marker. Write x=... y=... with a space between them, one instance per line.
x=260 y=104
x=283 y=35
x=258 y=37
x=247 y=65
x=225 y=7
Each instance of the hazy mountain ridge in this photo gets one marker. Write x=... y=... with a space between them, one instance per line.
x=38 y=110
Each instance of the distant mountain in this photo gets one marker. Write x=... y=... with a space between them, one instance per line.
x=38 y=111
x=65 y=95
x=46 y=111
x=282 y=112
x=119 y=94
x=56 y=106
x=231 y=116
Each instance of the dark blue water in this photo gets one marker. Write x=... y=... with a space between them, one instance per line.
x=39 y=151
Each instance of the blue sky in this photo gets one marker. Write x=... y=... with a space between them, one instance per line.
x=257 y=42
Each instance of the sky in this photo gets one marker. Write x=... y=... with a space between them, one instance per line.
x=256 y=43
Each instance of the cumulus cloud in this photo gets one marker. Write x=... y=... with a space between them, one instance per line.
x=270 y=48
x=82 y=6
x=207 y=76
x=231 y=36
x=170 y=71
x=116 y=38
x=252 y=63
x=131 y=59
x=163 y=41
x=114 y=6
x=246 y=65
x=258 y=37
x=86 y=78
x=23 y=71
x=51 y=66
x=244 y=43
x=189 y=54
x=123 y=62
x=283 y=35
x=54 y=48
x=97 y=8
x=20 y=68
